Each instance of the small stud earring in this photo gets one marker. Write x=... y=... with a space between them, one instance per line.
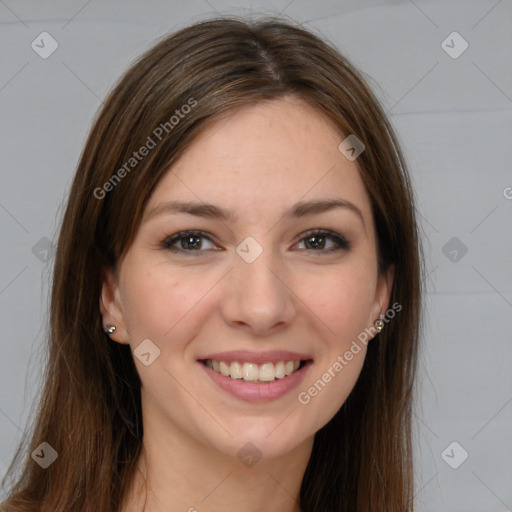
x=379 y=325
x=110 y=329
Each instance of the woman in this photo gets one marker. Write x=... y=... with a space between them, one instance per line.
x=236 y=297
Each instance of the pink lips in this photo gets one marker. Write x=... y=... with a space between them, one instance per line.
x=246 y=356
x=257 y=391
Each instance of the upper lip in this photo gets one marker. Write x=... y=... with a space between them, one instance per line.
x=269 y=356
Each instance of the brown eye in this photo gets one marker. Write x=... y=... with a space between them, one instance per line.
x=187 y=241
x=315 y=242
x=191 y=242
x=324 y=241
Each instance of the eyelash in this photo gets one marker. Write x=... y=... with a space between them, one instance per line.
x=340 y=240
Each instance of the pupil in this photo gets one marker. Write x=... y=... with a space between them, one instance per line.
x=188 y=242
x=318 y=241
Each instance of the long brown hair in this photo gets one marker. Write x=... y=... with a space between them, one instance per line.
x=90 y=407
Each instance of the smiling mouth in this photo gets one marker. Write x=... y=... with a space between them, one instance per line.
x=253 y=372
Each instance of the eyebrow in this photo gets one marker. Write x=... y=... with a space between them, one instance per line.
x=210 y=211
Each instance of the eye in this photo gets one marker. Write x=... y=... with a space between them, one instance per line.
x=187 y=241
x=316 y=240
x=321 y=240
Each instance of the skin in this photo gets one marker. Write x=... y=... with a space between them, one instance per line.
x=257 y=163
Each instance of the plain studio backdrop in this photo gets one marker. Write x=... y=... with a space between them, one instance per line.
x=443 y=72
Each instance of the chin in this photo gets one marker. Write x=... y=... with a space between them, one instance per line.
x=267 y=438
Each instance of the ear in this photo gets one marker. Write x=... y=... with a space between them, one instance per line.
x=111 y=308
x=382 y=294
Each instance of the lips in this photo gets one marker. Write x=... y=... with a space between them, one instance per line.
x=269 y=356
x=256 y=376
x=256 y=366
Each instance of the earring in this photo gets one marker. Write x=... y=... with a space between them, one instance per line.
x=110 y=329
x=379 y=325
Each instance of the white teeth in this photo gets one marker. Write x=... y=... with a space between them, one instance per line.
x=235 y=370
x=252 y=372
x=267 y=372
x=280 y=370
x=224 y=368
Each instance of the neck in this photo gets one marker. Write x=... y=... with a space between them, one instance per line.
x=178 y=473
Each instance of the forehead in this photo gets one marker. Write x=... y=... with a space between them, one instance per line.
x=263 y=155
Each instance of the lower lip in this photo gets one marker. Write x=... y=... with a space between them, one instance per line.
x=257 y=391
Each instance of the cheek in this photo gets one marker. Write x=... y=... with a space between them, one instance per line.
x=156 y=301
x=342 y=303
x=342 y=299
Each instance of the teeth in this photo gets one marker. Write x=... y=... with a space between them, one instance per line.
x=267 y=372
x=253 y=372
x=224 y=368
x=235 y=371
x=250 y=371
x=280 y=370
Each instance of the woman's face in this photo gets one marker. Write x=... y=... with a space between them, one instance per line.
x=257 y=289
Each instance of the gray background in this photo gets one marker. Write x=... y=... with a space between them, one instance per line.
x=454 y=119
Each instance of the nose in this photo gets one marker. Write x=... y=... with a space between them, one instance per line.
x=257 y=297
